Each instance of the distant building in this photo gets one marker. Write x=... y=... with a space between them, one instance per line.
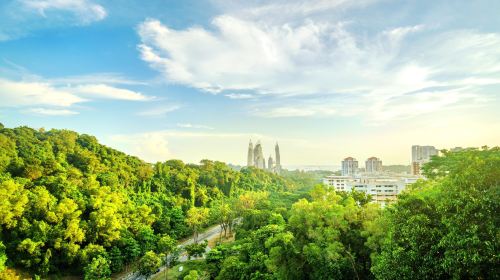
x=277 y=167
x=258 y=157
x=383 y=189
x=421 y=155
x=349 y=166
x=250 y=160
x=415 y=168
x=255 y=158
x=373 y=165
x=270 y=164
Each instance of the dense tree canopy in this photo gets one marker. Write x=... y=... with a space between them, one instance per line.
x=71 y=205
x=446 y=227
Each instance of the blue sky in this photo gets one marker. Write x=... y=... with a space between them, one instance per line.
x=198 y=79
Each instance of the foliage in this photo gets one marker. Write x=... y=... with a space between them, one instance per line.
x=97 y=269
x=65 y=199
x=196 y=218
x=223 y=212
x=9 y=274
x=193 y=275
x=166 y=244
x=149 y=263
x=3 y=257
x=447 y=227
x=71 y=205
x=305 y=179
x=196 y=249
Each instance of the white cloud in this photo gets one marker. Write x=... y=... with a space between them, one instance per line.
x=316 y=57
x=283 y=11
x=239 y=96
x=299 y=111
x=86 y=11
x=96 y=78
x=105 y=91
x=159 y=111
x=56 y=97
x=195 y=126
x=52 y=112
x=20 y=93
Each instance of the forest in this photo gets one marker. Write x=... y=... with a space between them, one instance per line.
x=71 y=206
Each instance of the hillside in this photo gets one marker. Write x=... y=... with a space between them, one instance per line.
x=67 y=202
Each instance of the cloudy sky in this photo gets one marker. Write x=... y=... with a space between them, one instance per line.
x=197 y=79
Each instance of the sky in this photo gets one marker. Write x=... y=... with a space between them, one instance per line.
x=197 y=79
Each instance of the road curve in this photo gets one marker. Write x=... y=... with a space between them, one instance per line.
x=208 y=234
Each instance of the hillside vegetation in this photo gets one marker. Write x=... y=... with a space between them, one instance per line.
x=71 y=205
x=444 y=228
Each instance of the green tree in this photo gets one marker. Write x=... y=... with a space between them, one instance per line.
x=196 y=249
x=446 y=227
x=97 y=269
x=13 y=200
x=196 y=217
x=3 y=256
x=149 y=264
x=166 y=244
x=193 y=275
x=223 y=212
x=117 y=259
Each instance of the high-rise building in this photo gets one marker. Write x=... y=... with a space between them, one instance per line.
x=421 y=155
x=270 y=164
x=415 y=168
x=255 y=158
x=258 y=156
x=250 y=154
x=373 y=165
x=277 y=167
x=349 y=166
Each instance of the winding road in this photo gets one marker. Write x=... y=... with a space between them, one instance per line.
x=207 y=234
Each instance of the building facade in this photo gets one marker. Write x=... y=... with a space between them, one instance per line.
x=373 y=165
x=255 y=158
x=349 y=166
x=421 y=155
x=277 y=166
x=258 y=157
x=250 y=160
x=270 y=164
x=383 y=190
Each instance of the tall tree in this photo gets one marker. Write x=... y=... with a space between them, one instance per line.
x=197 y=217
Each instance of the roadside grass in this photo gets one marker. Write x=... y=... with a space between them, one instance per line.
x=212 y=243
x=173 y=273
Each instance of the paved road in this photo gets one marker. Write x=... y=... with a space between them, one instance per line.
x=208 y=234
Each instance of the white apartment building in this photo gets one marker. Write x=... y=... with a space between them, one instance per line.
x=349 y=166
x=382 y=189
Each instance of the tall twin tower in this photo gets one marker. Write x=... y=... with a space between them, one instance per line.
x=256 y=158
